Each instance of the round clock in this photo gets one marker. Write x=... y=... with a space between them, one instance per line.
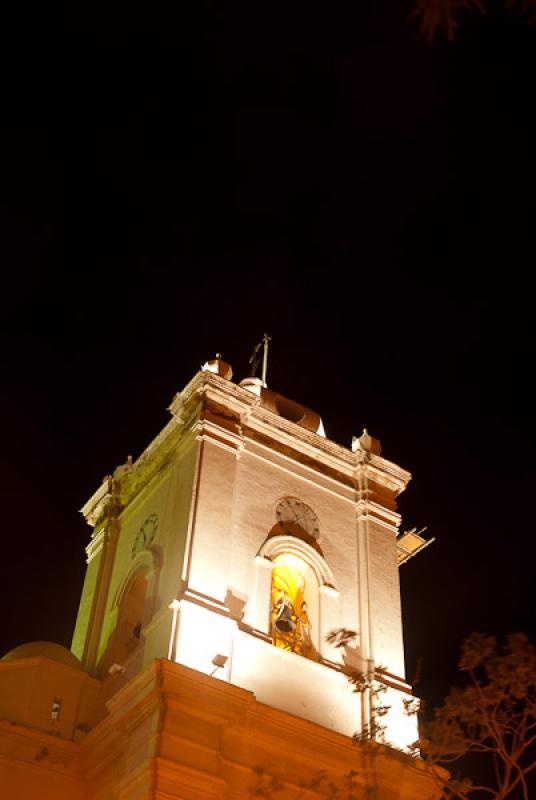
x=292 y=511
x=145 y=536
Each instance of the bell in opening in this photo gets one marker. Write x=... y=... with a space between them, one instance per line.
x=294 y=599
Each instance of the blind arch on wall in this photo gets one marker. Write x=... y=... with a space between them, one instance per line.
x=133 y=607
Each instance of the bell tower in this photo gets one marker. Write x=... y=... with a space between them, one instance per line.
x=237 y=541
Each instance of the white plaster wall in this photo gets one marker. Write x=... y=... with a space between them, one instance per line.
x=156 y=636
x=279 y=679
x=384 y=598
x=173 y=541
x=201 y=635
x=208 y=571
x=294 y=684
x=401 y=729
x=260 y=484
x=283 y=680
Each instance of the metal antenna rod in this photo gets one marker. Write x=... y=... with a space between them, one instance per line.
x=265 y=340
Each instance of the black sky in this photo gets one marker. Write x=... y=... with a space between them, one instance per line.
x=176 y=183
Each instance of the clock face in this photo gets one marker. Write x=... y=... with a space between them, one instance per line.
x=292 y=511
x=149 y=528
x=138 y=543
x=145 y=536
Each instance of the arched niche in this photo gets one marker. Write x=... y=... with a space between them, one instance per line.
x=274 y=546
x=131 y=617
x=319 y=593
x=294 y=606
x=149 y=562
x=133 y=607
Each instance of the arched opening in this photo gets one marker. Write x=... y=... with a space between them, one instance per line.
x=294 y=605
x=131 y=618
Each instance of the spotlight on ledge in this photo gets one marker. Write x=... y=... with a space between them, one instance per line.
x=219 y=661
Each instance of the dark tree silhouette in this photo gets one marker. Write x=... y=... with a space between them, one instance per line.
x=442 y=17
x=493 y=716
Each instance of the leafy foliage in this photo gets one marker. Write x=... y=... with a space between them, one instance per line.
x=494 y=716
x=436 y=17
x=368 y=684
x=322 y=785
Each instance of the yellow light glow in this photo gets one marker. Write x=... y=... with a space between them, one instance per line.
x=293 y=587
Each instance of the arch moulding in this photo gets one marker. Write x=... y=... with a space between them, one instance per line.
x=147 y=562
x=277 y=545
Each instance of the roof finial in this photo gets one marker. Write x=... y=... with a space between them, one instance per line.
x=366 y=442
x=219 y=367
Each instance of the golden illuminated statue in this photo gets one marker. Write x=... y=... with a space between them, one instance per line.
x=291 y=628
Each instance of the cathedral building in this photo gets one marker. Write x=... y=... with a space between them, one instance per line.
x=202 y=663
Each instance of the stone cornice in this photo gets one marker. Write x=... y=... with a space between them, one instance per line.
x=255 y=418
x=94 y=508
x=293 y=437
x=367 y=509
x=96 y=544
x=205 y=429
x=228 y=393
x=156 y=457
x=250 y=419
x=384 y=472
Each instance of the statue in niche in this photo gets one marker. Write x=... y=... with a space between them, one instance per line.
x=291 y=627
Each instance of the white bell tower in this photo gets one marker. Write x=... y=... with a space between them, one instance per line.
x=238 y=540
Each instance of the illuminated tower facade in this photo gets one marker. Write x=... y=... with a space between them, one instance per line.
x=237 y=542
x=219 y=562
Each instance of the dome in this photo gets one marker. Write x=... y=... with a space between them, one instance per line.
x=51 y=650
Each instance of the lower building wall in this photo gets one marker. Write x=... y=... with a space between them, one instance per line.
x=174 y=732
x=36 y=766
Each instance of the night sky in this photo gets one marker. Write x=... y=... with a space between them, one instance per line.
x=175 y=184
